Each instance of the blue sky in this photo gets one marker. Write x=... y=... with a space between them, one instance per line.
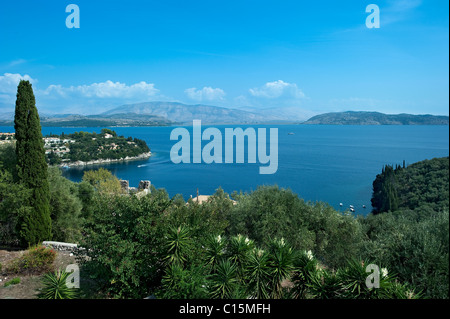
x=317 y=56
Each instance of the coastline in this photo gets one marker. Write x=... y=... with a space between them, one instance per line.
x=106 y=161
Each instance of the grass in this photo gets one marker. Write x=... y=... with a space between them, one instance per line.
x=13 y=281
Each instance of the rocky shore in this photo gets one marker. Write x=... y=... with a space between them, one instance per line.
x=106 y=161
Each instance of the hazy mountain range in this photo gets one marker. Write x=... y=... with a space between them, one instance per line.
x=376 y=118
x=174 y=113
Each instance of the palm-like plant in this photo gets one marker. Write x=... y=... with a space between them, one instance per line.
x=257 y=274
x=323 y=284
x=55 y=286
x=305 y=268
x=239 y=249
x=353 y=278
x=397 y=290
x=179 y=283
x=178 y=243
x=281 y=258
x=224 y=281
x=214 y=250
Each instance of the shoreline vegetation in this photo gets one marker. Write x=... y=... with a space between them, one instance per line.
x=84 y=149
x=106 y=161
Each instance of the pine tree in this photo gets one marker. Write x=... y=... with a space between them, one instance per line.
x=31 y=167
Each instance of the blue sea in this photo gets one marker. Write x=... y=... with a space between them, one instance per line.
x=334 y=164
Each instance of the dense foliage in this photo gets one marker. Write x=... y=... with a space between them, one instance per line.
x=271 y=212
x=69 y=203
x=236 y=268
x=422 y=185
x=412 y=244
x=409 y=227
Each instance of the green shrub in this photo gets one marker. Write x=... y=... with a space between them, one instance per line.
x=36 y=260
x=414 y=245
x=13 y=281
x=122 y=244
x=273 y=212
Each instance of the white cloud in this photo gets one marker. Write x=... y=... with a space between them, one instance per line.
x=88 y=98
x=8 y=89
x=95 y=97
x=10 y=81
x=106 y=89
x=278 y=89
x=205 y=94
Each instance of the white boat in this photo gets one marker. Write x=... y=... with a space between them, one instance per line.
x=340 y=204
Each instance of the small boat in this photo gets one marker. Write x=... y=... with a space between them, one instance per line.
x=352 y=209
x=290 y=133
x=340 y=204
x=364 y=206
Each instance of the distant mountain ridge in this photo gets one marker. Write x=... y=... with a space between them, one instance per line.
x=175 y=113
x=376 y=118
x=185 y=114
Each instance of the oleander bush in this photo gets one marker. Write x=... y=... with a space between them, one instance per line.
x=34 y=261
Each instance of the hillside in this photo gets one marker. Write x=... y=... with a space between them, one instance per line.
x=419 y=185
x=185 y=114
x=376 y=118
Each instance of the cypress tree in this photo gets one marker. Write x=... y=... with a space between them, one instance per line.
x=31 y=167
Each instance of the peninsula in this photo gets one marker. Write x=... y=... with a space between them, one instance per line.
x=82 y=148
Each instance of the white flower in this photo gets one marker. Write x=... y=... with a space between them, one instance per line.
x=219 y=239
x=247 y=240
x=309 y=255
x=384 y=272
